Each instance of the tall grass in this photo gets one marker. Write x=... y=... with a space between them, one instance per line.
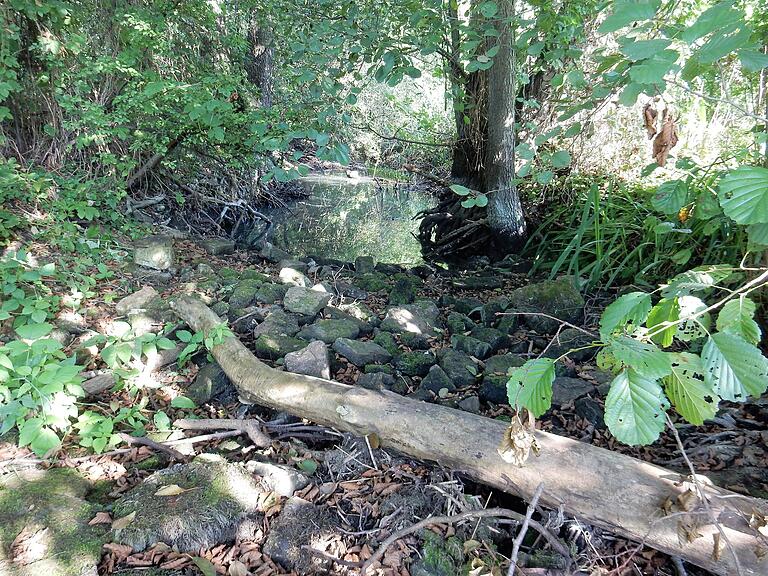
x=606 y=232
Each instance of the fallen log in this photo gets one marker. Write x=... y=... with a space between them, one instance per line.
x=618 y=493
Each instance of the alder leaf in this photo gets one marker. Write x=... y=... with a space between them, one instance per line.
x=634 y=408
x=737 y=317
x=632 y=308
x=734 y=368
x=687 y=390
x=530 y=385
x=744 y=195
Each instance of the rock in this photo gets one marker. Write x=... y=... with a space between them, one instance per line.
x=509 y=322
x=244 y=320
x=361 y=353
x=63 y=337
x=423 y=317
x=272 y=253
x=591 y=410
x=341 y=288
x=330 y=330
x=300 y=524
x=154 y=252
x=468 y=306
x=211 y=381
x=305 y=301
x=459 y=367
x=569 y=339
x=387 y=341
x=363 y=326
x=360 y=311
x=388 y=269
x=217 y=501
x=244 y=293
x=376 y=368
x=221 y=309
x=495 y=378
x=496 y=339
x=278 y=323
x=566 y=390
x=71 y=322
x=135 y=301
x=558 y=298
x=415 y=363
x=313 y=360
x=218 y=246
x=470 y=404
x=414 y=341
x=373 y=281
x=471 y=346
x=99 y=383
x=403 y=292
x=228 y=273
x=491 y=310
x=298 y=265
x=477 y=283
x=459 y=323
x=273 y=347
x=50 y=506
x=251 y=274
x=364 y=264
x=293 y=277
x=283 y=480
x=376 y=381
x=269 y=293
x=437 y=380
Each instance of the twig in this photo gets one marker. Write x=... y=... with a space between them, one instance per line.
x=330 y=557
x=144 y=441
x=250 y=427
x=487 y=513
x=703 y=498
x=205 y=437
x=523 y=529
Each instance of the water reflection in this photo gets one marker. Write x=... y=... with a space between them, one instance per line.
x=348 y=217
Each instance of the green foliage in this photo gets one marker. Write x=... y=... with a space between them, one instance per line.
x=194 y=342
x=531 y=385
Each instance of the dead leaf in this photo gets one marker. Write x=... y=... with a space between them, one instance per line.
x=759 y=521
x=688 y=531
x=518 y=441
x=688 y=500
x=124 y=521
x=237 y=568
x=205 y=566
x=373 y=440
x=649 y=120
x=29 y=546
x=664 y=141
x=101 y=518
x=170 y=490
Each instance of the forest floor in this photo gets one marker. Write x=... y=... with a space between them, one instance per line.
x=354 y=493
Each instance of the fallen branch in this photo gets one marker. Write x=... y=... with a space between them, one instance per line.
x=249 y=427
x=615 y=492
x=523 y=529
x=149 y=443
x=486 y=513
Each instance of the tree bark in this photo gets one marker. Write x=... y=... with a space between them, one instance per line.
x=604 y=488
x=259 y=65
x=505 y=211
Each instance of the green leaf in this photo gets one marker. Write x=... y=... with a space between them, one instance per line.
x=545 y=177
x=205 y=566
x=643 y=357
x=719 y=16
x=666 y=310
x=184 y=335
x=693 y=399
x=758 y=234
x=45 y=441
x=650 y=71
x=530 y=385
x=744 y=195
x=670 y=197
x=460 y=190
x=161 y=420
x=737 y=317
x=561 y=159
x=734 y=368
x=33 y=331
x=632 y=308
x=698 y=279
x=693 y=328
x=720 y=45
x=641 y=49
x=625 y=12
x=489 y=9
x=308 y=466
x=182 y=402
x=481 y=200
x=635 y=408
x=753 y=61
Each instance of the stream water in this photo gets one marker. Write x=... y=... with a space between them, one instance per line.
x=346 y=217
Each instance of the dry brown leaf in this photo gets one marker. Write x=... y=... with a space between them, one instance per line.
x=373 y=440
x=100 y=518
x=649 y=120
x=688 y=500
x=29 y=546
x=759 y=521
x=717 y=549
x=122 y=551
x=170 y=490
x=664 y=141
x=124 y=521
x=688 y=531
x=518 y=441
x=237 y=568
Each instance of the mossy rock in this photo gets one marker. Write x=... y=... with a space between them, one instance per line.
x=244 y=293
x=402 y=293
x=439 y=556
x=558 y=298
x=52 y=501
x=387 y=341
x=251 y=274
x=415 y=363
x=373 y=281
x=218 y=499
x=414 y=341
x=329 y=331
x=273 y=347
x=269 y=293
x=227 y=272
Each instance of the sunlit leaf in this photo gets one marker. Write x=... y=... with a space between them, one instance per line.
x=635 y=407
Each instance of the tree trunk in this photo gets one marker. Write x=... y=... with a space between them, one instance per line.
x=604 y=488
x=505 y=211
x=259 y=65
